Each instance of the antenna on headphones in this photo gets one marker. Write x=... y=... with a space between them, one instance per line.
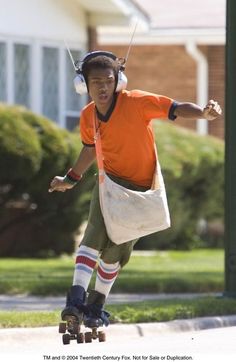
x=131 y=42
x=123 y=61
x=71 y=57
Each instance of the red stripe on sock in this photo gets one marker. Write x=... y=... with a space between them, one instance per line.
x=105 y=275
x=85 y=260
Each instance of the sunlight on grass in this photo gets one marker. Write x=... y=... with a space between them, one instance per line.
x=164 y=271
x=151 y=311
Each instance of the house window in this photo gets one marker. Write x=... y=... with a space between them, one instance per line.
x=50 y=83
x=74 y=101
x=3 y=73
x=40 y=77
x=22 y=74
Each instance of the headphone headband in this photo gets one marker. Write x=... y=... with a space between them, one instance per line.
x=96 y=53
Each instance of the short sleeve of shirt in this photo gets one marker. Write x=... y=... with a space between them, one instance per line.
x=156 y=106
x=86 y=128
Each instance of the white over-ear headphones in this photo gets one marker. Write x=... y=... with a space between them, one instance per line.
x=79 y=80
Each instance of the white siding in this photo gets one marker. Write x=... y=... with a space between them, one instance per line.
x=27 y=28
x=43 y=19
x=37 y=25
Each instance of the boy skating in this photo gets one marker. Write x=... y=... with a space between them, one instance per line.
x=129 y=160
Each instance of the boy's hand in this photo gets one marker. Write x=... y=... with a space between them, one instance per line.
x=58 y=184
x=212 y=110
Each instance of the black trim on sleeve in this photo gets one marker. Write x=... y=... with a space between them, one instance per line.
x=88 y=144
x=172 y=109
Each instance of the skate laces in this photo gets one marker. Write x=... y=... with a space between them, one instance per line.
x=105 y=317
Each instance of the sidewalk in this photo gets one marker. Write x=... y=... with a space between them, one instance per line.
x=116 y=331
x=31 y=303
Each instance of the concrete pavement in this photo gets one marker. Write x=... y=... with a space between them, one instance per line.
x=144 y=341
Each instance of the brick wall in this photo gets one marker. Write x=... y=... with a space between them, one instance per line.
x=170 y=71
x=216 y=60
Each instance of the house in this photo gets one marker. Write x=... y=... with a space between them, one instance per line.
x=182 y=54
x=35 y=68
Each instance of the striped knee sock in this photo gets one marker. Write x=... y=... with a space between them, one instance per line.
x=106 y=276
x=84 y=265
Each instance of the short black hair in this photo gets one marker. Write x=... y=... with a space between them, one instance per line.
x=100 y=62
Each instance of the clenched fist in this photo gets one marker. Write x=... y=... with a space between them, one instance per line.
x=212 y=110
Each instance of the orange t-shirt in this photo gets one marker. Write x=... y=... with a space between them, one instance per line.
x=127 y=137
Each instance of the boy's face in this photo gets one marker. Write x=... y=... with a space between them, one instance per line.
x=101 y=85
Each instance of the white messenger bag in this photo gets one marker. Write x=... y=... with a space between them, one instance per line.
x=129 y=214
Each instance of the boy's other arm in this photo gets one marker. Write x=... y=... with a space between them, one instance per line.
x=84 y=161
x=192 y=111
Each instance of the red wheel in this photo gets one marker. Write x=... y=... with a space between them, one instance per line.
x=101 y=336
x=94 y=333
x=66 y=339
x=80 y=338
x=62 y=327
x=88 y=337
x=74 y=328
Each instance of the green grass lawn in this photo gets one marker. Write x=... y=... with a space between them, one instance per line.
x=164 y=271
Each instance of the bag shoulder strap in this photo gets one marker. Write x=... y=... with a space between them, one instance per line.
x=98 y=148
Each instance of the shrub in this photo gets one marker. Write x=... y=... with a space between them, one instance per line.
x=193 y=170
x=38 y=223
x=20 y=149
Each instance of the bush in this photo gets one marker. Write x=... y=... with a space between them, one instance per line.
x=193 y=170
x=35 y=222
x=20 y=149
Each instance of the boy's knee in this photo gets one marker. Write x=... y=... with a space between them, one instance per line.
x=118 y=253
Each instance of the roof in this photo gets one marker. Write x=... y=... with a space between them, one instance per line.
x=185 y=13
x=171 y=21
x=114 y=12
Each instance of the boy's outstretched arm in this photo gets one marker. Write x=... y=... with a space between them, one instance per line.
x=190 y=110
x=84 y=161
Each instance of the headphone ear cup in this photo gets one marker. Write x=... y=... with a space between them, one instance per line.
x=122 y=81
x=81 y=87
x=80 y=84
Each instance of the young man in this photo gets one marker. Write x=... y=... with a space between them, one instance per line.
x=129 y=159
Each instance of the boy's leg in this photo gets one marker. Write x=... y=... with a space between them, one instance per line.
x=94 y=239
x=85 y=263
x=106 y=276
x=112 y=259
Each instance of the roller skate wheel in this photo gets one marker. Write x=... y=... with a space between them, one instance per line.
x=101 y=336
x=80 y=338
x=88 y=337
x=94 y=333
x=62 y=327
x=74 y=328
x=66 y=339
